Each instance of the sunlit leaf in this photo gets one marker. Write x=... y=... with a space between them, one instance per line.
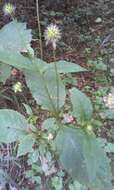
x=84 y=159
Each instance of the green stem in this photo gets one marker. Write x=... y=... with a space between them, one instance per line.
x=39 y=28
x=57 y=80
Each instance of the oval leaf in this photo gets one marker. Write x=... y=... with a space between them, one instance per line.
x=78 y=153
x=15 y=37
x=66 y=67
x=82 y=107
x=13 y=125
x=26 y=145
x=39 y=84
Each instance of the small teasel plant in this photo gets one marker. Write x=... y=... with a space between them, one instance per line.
x=52 y=36
x=65 y=145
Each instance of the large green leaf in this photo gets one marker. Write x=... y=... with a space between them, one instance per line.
x=5 y=71
x=49 y=124
x=82 y=107
x=84 y=158
x=15 y=37
x=21 y=62
x=66 y=67
x=13 y=125
x=26 y=145
x=15 y=59
x=44 y=85
x=69 y=146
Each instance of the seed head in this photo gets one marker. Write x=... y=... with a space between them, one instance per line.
x=52 y=35
x=8 y=9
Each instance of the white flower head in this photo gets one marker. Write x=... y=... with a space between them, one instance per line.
x=8 y=9
x=52 y=35
x=109 y=101
x=50 y=136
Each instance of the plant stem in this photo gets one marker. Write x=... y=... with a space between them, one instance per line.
x=39 y=28
x=57 y=79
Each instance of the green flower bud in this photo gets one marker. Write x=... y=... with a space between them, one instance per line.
x=17 y=87
x=8 y=9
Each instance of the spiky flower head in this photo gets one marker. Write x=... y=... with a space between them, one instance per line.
x=17 y=87
x=8 y=9
x=109 y=101
x=52 y=35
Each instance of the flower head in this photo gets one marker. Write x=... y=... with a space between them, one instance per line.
x=8 y=9
x=17 y=87
x=52 y=35
x=50 y=136
x=89 y=128
x=67 y=118
x=109 y=101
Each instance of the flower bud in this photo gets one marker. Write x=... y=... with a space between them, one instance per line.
x=8 y=9
x=14 y=72
x=67 y=118
x=17 y=87
x=50 y=136
x=89 y=128
x=109 y=101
